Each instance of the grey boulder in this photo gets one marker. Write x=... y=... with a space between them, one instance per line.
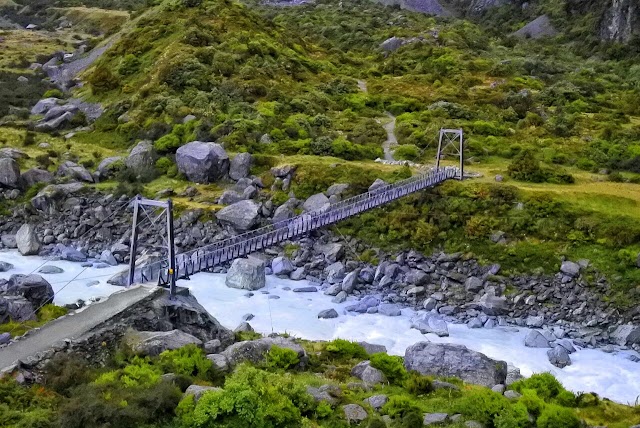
x=444 y=359
x=242 y=215
x=142 y=156
x=535 y=339
x=9 y=173
x=36 y=175
x=282 y=266
x=430 y=323
x=369 y=375
x=155 y=342
x=328 y=314
x=559 y=357
x=317 y=202
x=246 y=274
x=27 y=240
x=240 y=166
x=255 y=351
x=202 y=162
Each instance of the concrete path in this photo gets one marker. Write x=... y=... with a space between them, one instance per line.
x=73 y=326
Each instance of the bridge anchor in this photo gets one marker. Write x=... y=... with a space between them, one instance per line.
x=454 y=138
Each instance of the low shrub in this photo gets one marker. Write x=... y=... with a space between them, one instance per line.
x=188 y=361
x=544 y=384
x=554 y=416
x=391 y=365
x=343 y=349
x=400 y=406
x=483 y=405
x=418 y=384
x=281 y=358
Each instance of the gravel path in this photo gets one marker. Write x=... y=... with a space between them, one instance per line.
x=392 y=141
x=72 y=326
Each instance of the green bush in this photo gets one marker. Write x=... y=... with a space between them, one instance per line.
x=53 y=93
x=545 y=385
x=418 y=384
x=164 y=164
x=376 y=423
x=532 y=402
x=399 y=406
x=253 y=398
x=343 y=349
x=282 y=358
x=189 y=360
x=483 y=405
x=515 y=416
x=554 y=416
x=407 y=152
x=391 y=365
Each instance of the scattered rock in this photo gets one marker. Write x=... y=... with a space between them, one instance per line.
x=512 y=395
x=354 y=413
x=626 y=335
x=240 y=166
x=534 y=339
x=241 y=216
x=50 y=270
x=282 y=266
x=155 y=342
x=254 y=351
x=369 y=375
x=431 y=323
x=9 y=173
x=27 y=240
x=559 y=357
x=389 y=310
x=377 y=401
x=5 y=267
x=570 y=268
x=198 y=391
x=435 y=419
x=328 y=314
x=202 y=162
x=317 y=202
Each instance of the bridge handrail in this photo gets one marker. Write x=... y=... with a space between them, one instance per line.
x=247 y=237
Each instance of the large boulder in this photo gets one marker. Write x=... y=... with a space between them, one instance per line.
x=445 y=359
x=36 y=176
x=491 y=304
x=255 y=351
x=34 y=288
x=282 y=266
x=242 y=215
x=317 y=202
x=75 y=171
x=44 y=105
x=27 y=240
x=9 y=173
x=369 y=375
x=202 y=162
x=569 y=268
x=535 y=339
x=16 y=308
x=559 y=357
x=155 y=342
x=54 y=124
x=246 y=274
x=538 y=28
x=107 y=167
x=51 y=198
x=58 y=111
x=240 y=166
x=142 y=156
x=626 y=335
x=431 y=323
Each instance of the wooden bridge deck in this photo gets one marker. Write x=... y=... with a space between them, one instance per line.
x=205 y=258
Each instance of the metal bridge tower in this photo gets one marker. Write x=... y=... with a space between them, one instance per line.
x=139 y=203
x=454 y=138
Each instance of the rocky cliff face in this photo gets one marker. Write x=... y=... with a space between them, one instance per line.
x=621 y=21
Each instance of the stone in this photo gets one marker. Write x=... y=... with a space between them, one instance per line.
x=298 y=274
x=430 y=323
x=5 y=266
x=5 y=338
x=377 y=401
x=389 y=309
x=198 y=391
x=35 y=176
x=305 y=289
x=430 y=304
x=59 y=111
x=332 y=251
x=570 y=268
x=9 y=173
x=535 y=321
x=246 y=274
x=328 y=314
x=240 y=165
x=473 y=284
x=538 y=28
x=213 y=346
x=107 y=167
x=202 y=162
x=107 y=257
x=9 y=241
x=243 y=327
x=341 y=297
x=50 y=270
x=143 y=156
x=334 y=272
x=535 y=339
x=626 y=335
x=364 y=305
x=513 y=375
x=75 y=171
x=392 y=44
x=282 y=266
x=322 y=395
x=316 y=203
x=373 y=348
x=242 y=215
x=153 y=343
x=16 y=308
x=44 y=105
x=369 y=375
x=435 y=419
x=492 y=305
x=27 y=241
x=350 y=282
x=219 y=361
x=255 y=351
x=566 y=344
x=512 y=395
x=498 y=388
x=72 y=255
x=337 y=189
x=377 y=184
x=474 y=323
x=354 y=413
x=445 y=360
x=559 y=357
x=473 y=424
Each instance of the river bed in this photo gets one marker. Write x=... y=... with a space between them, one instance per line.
x=610 y=375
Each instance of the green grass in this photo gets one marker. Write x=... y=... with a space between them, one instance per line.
x=47 y=313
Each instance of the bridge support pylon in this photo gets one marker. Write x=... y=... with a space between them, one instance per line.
x=139 y=204
x=454 y=138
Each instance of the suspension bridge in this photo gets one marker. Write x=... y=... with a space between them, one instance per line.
x=182 y=266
